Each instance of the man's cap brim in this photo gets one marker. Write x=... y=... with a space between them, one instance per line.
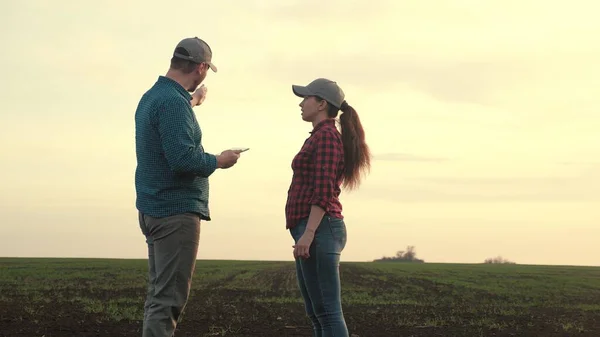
x=191 y=58
x=212 y=66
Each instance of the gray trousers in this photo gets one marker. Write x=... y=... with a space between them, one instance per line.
x=172 y=248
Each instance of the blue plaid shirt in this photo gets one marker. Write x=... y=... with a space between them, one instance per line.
x=172 y=168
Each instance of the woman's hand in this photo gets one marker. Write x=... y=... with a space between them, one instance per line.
x=302 y=247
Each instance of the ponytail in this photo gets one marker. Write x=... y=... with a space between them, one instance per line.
x=357 y=156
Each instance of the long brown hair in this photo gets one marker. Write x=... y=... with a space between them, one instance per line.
x=357 y=155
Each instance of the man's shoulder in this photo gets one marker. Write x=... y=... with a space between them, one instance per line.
x=163 y=92
x=174 y=104
x=161 y=98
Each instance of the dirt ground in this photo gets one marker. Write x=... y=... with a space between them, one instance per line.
x=214 y=309
x=237 y=317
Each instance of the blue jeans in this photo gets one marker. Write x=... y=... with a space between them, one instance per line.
x=319 y=277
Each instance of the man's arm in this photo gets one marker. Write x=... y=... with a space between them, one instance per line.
x=195 y=101
x=198 y=96
x=175 y=126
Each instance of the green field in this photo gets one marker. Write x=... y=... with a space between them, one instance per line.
x=103 y=297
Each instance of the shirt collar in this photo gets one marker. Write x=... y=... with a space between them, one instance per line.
x=328 y=122
x=173 y=84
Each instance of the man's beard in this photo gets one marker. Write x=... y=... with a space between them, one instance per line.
x=193 y=87
x=196 y=83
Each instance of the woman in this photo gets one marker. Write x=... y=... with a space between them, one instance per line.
x=327 y=161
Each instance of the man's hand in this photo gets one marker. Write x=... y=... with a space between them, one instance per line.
x=301 y=249
x=228 y=158
x=199 y=95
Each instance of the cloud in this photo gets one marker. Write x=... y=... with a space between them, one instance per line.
x=578 y=188
x=425 y=195
x=316 y=10
x=407 y=158
x=460 y=52
x=448 y=80
x=500 y=181
x=581 y=163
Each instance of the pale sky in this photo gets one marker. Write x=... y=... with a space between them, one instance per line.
x=482 y=116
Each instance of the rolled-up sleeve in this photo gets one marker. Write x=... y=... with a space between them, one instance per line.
x=176 y=129
x=327 y=155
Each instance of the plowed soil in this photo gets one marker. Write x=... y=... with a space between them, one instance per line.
x=81 y=298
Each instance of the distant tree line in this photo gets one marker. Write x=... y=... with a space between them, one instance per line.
x=402 y=256
x=410 y=255
x=498 y=260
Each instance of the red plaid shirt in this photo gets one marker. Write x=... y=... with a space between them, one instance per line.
x=317 y=175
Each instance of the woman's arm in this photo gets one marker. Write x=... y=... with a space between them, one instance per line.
x=314 y=219
x=327 y=157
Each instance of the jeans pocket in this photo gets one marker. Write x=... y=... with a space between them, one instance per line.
x=298 y=230
x=142 y=222
x=338 y=232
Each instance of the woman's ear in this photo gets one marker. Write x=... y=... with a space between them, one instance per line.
x=323 y=105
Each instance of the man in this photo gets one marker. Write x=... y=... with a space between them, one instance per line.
x=171 y=181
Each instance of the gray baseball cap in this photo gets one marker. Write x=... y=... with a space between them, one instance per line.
x=197 y=50
x=324 y=88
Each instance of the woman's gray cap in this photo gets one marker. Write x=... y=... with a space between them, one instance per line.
x=323 y=88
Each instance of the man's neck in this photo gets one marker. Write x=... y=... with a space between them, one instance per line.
x=179 y=78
